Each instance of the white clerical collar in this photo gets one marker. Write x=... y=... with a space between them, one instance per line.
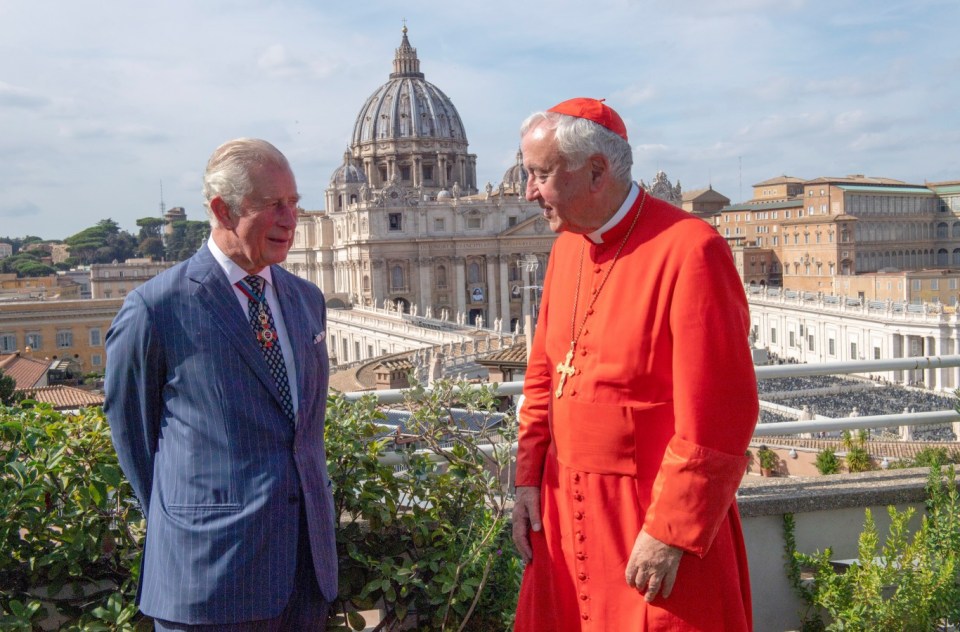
x=231 y=269
x=597 y=235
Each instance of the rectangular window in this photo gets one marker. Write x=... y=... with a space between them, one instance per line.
x=64 y=339
x=952 y=283
x=395 y=221
x=934 y=284
x=511 y=221
x=853 y=351
x=793 y=339
x=916 y=284
x=405 y=173
x=95 y=338
x=876 y=353
x=810 y=343
x=832 y=347
x=773 y=336
x=439 y=224
x=474 y=223
x=34 y=340
x=8 y=343
x=96 y=359
x=428 y=172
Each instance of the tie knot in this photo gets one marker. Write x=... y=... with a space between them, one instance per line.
x=255 y=281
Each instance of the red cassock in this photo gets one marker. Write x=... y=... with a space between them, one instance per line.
x=651 y=431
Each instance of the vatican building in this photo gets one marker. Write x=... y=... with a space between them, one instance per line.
x=408 y=228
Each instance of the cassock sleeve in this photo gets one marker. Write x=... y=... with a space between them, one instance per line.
x=533 y=439
x=715 y=400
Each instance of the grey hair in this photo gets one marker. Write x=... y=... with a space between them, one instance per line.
x=579 y=138
x=229 y=168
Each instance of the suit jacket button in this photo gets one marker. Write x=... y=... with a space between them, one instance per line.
x=293 y=499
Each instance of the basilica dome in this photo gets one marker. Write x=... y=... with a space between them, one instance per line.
x=408 y=106
x=348 y=172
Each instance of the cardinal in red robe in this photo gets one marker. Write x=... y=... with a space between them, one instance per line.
x=639 y=400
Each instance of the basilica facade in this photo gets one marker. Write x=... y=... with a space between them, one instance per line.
x=406 y=223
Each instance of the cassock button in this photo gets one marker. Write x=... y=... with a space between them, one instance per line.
x=576 y=478
x=578 y=497
x=598 y=269
x=590 y=311
x=580 y=536
x=581 y=556
x=578 y=515
x=585 y=616
x=583 y=597
x=582 y=577
x=583 y=352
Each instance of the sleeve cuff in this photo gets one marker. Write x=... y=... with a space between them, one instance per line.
x=692 y=494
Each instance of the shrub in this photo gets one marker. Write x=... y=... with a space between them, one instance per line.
x=767 y=458
x=827 y=462
x=427 y=542
x=858 y=459
x=69 y=522
x=905 y=584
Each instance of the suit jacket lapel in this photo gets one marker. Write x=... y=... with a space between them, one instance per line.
x=295 y=322
x=215 y=294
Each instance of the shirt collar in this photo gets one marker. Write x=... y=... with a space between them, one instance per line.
x=231 y=269
x=597 y=235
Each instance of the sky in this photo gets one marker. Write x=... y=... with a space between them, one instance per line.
x=105 y=104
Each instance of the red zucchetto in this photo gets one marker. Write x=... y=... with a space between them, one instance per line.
x=593 y=110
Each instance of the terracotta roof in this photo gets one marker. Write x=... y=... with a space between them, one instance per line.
x=64 y=397
x=27 y=372
x=515 y=355
x=784 y=179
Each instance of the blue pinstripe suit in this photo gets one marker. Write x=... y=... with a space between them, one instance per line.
x=200 y=432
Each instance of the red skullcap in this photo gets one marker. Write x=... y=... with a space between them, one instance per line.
x=593 y=110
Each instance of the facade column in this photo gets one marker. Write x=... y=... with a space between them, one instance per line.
x=425 y=270
x=379 y=282
x=417 y=171
x=442 y=166
x=931 y=350
x=505 y=291
x=460 y=284
x=491 y=290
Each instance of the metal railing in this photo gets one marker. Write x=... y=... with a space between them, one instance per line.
x=767 y=372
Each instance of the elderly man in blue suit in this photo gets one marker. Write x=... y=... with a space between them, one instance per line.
x=216 y=391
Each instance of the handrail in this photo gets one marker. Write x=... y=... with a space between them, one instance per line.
x=766 y=372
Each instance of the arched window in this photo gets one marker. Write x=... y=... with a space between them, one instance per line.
x=942 y=230
x=942 y=257
x=366 y=283
x=441 y=276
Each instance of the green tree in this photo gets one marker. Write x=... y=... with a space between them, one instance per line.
x=102 y=243
x=186 y=239
x=7 y=387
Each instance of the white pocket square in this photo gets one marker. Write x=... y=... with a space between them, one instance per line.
x=319 y=337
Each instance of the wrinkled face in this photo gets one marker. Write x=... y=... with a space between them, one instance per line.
x=263 y=233
x=563 y=194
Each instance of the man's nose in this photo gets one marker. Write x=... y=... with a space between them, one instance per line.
x=532 y=193
x=288 y=215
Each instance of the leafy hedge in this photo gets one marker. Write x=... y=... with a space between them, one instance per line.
x=426 y=541
x=69 y=532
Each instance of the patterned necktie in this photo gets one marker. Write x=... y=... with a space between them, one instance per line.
x=261 y=319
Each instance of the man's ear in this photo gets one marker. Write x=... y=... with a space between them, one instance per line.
x=221 y=210
x=599 y=170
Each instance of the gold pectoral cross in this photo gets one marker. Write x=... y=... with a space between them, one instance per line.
x=565 y=369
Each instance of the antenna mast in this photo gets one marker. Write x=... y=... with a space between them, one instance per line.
x=163 y=207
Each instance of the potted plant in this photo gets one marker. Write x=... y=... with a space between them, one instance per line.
x=768 y=460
